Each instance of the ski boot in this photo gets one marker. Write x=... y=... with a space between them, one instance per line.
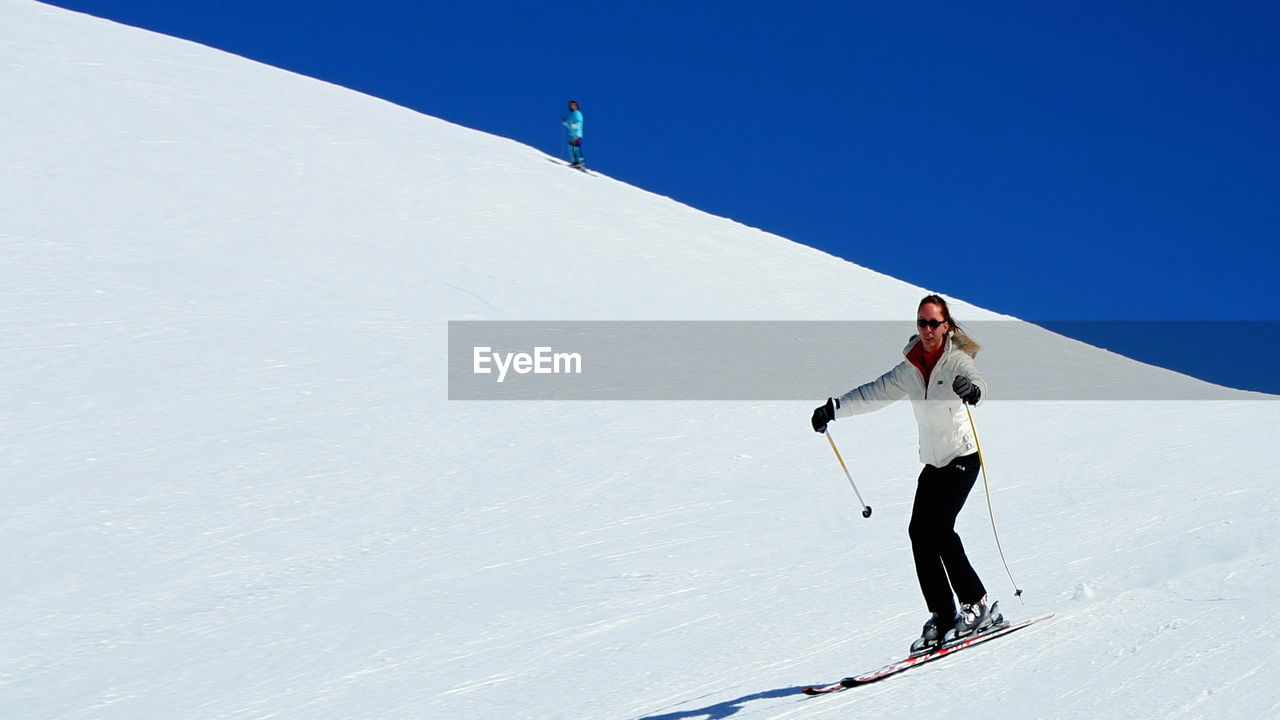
x=935 y=631
x=975 y=618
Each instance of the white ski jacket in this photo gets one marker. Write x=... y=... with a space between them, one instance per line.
x=945 y=432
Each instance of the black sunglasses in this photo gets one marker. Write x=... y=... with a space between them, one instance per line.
x=922 y=323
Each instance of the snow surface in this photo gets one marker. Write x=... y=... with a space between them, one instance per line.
x=233 y=485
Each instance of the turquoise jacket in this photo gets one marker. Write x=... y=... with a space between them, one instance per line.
x=575 y=124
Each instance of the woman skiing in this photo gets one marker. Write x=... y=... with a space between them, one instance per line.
x=938 y=375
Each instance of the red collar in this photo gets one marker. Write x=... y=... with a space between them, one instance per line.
x=923 y=361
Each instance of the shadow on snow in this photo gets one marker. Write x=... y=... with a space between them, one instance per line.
x=725 y=709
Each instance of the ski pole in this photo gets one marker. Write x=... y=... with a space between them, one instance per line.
x=866 y=509
x=1017 y=591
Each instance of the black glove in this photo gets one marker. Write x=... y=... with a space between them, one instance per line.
x=823 y=415
x=967 y=391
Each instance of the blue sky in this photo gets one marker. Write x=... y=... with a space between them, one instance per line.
x=1057 y=161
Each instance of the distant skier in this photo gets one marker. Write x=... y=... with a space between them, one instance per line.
x=939 y=376
x=574 y=123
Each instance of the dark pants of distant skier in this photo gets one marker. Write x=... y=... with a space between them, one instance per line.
x=575 y=150
x=939 y=554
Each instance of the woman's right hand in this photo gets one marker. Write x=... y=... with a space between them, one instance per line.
x=823 y=415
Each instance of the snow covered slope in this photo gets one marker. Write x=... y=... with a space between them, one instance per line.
x=233 y=486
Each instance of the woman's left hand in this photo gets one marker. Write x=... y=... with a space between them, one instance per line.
x=967 y=391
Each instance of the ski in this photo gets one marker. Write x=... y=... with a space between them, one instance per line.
x=914 y=660
x=580 y=168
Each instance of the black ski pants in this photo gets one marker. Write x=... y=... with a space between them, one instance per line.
x=941 y=564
